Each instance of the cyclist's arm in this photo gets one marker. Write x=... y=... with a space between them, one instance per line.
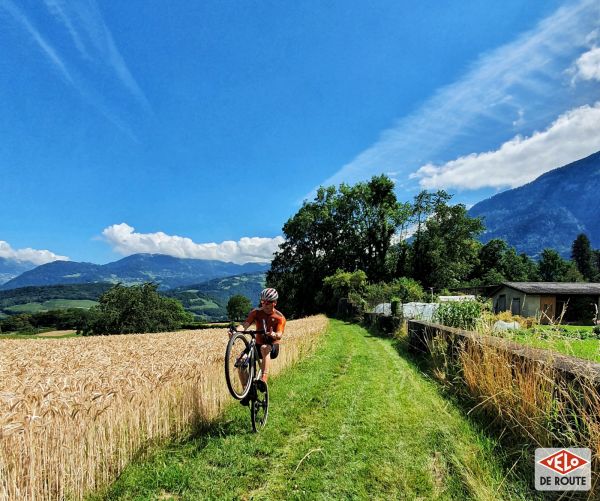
x=248 y=322
x=243 y=327
x=277 y=335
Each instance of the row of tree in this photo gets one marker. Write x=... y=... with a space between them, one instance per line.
x=434 y=243
x=121 y=310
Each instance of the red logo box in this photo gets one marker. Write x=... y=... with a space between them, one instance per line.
x=563 y=462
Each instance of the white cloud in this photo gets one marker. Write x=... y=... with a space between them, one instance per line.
x=34 y=256
x=517 y=85
x=574 y=135
x=588 y=65
x=126 y=241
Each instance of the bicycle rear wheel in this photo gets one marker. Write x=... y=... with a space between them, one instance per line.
x=239 y=369
x=259 y=408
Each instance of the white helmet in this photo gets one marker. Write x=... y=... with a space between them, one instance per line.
x=269 y=295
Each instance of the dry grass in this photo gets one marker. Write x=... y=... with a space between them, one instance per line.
x=73 y=412
x=534 y=401
x=56 y=333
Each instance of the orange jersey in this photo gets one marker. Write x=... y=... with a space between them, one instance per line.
x=275 y=322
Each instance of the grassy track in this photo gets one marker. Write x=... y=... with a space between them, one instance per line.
x=353 y=421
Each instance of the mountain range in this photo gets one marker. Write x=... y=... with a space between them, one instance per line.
x=169 y=272
x=10 y=268
x=548 y=212
x=209 y=299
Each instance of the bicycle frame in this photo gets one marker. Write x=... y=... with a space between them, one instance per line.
x=248 y=359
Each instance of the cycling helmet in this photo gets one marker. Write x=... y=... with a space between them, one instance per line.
x=269 y=295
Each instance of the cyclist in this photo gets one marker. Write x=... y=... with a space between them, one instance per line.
x=272 y=323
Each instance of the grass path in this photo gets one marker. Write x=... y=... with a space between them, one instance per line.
x=353 y=421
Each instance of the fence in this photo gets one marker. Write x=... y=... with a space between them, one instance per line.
x=544 y=398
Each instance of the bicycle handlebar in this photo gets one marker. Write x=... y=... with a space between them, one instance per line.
x=233 y=331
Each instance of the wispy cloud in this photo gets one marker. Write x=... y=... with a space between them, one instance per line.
x=573 y=135
x=124 y=240
x=95 y=53
x=45 y=46
x=29 y=255
x=515 y=87
x=94 y=41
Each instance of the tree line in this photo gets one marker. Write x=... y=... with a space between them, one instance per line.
x=357 y=243
x=428 y=241
x=120 y=310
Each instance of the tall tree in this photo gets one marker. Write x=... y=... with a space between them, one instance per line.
x=135 y=309
x=238 y=307
x=445 y=250
x=349 y=228
x=583 y=257
x=553 y=268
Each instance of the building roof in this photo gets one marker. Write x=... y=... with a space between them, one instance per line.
x=572 y=288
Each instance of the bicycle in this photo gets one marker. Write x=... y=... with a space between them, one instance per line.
x=241 y=375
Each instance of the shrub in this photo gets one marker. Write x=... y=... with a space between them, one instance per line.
x=238 y=307
x=461 y=314
x=404 y=289
x=126 y=310
x=394 y=306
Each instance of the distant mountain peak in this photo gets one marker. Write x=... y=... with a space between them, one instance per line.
x=548 y=212
x=167 y=271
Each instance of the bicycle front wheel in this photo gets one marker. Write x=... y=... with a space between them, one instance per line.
x=259 y=408
x=239 y=369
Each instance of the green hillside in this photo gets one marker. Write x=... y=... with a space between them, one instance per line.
x=41 y=294
x=52 y=304
x=207 y=300
x=221 y=289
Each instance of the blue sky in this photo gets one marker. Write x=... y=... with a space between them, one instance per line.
x=196 y=129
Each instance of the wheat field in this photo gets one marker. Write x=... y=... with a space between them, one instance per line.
x=73 y=412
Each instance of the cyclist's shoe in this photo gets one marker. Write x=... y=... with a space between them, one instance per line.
x=242 y=361
x=246 y=400
x=261 y=385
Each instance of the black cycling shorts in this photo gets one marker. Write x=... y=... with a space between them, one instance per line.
x=274 y=351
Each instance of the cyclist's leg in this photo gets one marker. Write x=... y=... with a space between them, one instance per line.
x=265 y=351
x=243 y=375
x=243 y=368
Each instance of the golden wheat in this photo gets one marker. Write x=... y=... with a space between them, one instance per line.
x=73 y=412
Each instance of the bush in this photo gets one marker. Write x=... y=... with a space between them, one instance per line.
x=136 y=309
x=596 y=330
x=404 y=289
x=461 y=314
x=17 y=323
x=238 y=307
x=395 y=305
x=341 y=285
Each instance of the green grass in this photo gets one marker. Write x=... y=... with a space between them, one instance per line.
x=565 y=339
x=353 y=421
x=201 y=304
x=51 y=304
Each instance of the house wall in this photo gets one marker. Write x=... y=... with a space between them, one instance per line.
x=530 y=303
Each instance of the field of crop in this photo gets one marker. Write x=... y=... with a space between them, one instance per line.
x=74 y=414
